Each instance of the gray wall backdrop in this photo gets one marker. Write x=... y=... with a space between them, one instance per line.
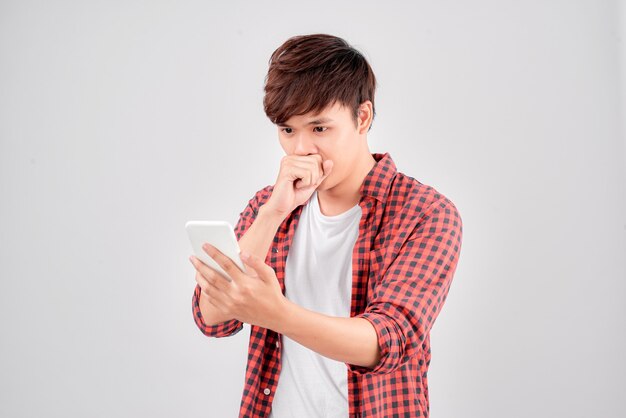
x=121 y=120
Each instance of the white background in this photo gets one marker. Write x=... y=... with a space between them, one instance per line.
x=121 y=120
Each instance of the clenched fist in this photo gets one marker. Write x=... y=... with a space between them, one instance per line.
x=298 y=178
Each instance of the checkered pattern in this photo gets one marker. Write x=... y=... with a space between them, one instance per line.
x=403 y=263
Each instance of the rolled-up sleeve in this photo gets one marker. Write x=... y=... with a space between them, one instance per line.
x=414 y=286
x=233 y=326
x=223 y=329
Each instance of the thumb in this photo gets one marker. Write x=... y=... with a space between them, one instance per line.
x=328 y=167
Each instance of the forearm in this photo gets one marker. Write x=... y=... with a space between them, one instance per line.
x=349 y=340
x=260 y=234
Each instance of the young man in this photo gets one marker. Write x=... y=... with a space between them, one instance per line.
x=349 y=261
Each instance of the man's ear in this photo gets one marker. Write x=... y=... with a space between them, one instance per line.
x=364 y=118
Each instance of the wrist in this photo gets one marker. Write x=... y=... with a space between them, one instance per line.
x=287 y=312
x=271 y=216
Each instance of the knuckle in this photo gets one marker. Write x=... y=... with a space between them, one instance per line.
x=237 y=297
x=244 y=291
x=200 y=279
x=206 y=274
x=204 y=288
x=211 y=281
x=228 y=265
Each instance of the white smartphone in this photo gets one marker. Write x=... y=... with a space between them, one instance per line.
x=219 y=234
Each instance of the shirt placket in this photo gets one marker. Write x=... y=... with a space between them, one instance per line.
x=280 y=249
x=360 y=272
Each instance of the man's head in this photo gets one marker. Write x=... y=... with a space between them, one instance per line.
x=319 y=91
x=308 y=73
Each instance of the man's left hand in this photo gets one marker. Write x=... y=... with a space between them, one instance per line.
x=254 y=297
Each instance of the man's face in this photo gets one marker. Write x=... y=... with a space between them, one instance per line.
x=332 y=134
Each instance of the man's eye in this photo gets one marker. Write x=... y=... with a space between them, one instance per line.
x=286 y=130
x=320 y=128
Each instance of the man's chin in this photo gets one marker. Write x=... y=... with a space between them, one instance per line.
x=324 y=185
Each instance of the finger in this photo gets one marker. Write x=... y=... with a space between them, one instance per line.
x=298 y=184
x=250 y=271
x=309 y=179
x=217 y=281
x=328 y=168
x=217 y=302
x=314 y=165
x=262 y=270
x=317 y=170
x=315 y=158
x=199 y=266
x=233 y=271
x=202 y=282
x=301 y=173
x=213 y=295
x=206 y=290
x=215 y=299
x=206 y=271
x=309 y=166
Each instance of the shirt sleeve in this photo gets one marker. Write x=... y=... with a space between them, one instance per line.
x=408 y=298
x=233 y=326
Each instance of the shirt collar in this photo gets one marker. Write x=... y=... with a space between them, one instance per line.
x=378 y=181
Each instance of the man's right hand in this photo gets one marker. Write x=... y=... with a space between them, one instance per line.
x=298 y=178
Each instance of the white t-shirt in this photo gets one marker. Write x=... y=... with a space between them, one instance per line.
x=318 y=276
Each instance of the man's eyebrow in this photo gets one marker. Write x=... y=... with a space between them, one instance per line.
x=313 y=122
x=320 y=121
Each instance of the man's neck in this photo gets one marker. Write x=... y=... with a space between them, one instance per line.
x=345 y=195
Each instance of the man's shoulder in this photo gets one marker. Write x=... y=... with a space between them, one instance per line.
x=261 y=196
x=265 y=192
x=412 y=194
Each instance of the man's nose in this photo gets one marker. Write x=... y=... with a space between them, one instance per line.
x=304 y=145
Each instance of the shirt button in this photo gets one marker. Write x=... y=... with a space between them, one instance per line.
x=275 y=249
x=266 y=391
x=277 y=343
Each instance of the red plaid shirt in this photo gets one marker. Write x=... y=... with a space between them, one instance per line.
x=402 y=267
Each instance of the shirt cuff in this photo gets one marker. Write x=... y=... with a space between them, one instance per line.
x=388 y=342
x=224 y=329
